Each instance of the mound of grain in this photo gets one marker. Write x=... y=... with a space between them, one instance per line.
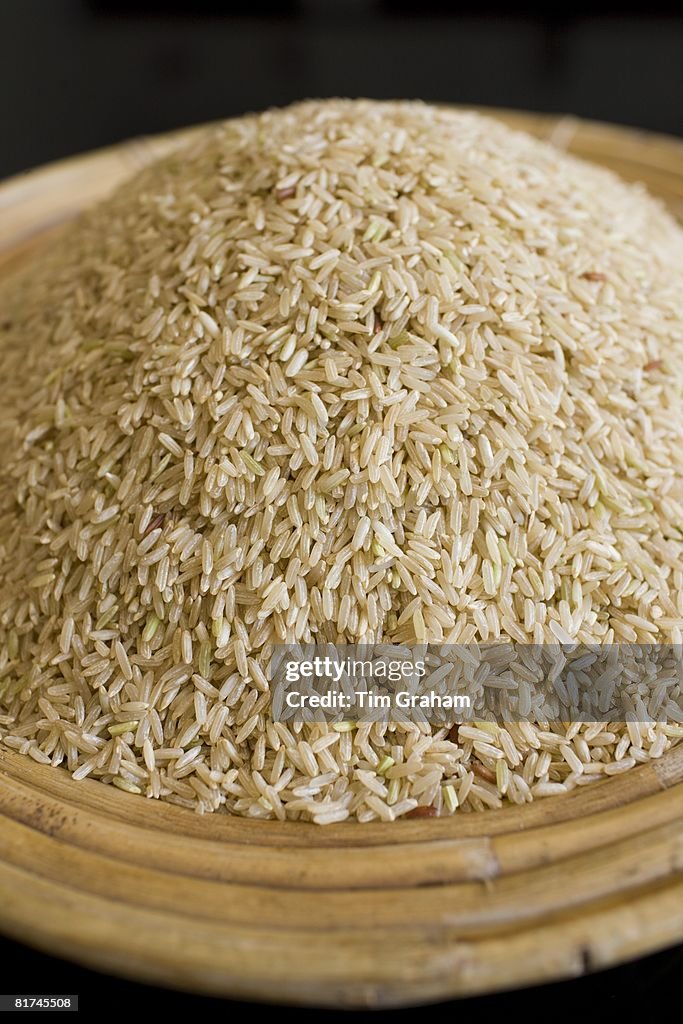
x=348 y=370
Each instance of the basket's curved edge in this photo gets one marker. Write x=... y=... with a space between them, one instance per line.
x=66 y=898
x=327 y=896
x=563 y=128
x=601 y=796
x=425 y=967
x=35 y=201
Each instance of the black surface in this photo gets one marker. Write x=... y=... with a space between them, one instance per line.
x=76 y=74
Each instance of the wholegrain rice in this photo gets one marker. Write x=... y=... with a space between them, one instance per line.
x=347 y=371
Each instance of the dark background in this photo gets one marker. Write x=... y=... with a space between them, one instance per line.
x=76 y=74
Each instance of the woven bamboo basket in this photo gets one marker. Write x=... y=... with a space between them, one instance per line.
x=347 y=915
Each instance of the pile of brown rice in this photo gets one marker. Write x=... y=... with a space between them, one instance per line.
x=348 y=370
